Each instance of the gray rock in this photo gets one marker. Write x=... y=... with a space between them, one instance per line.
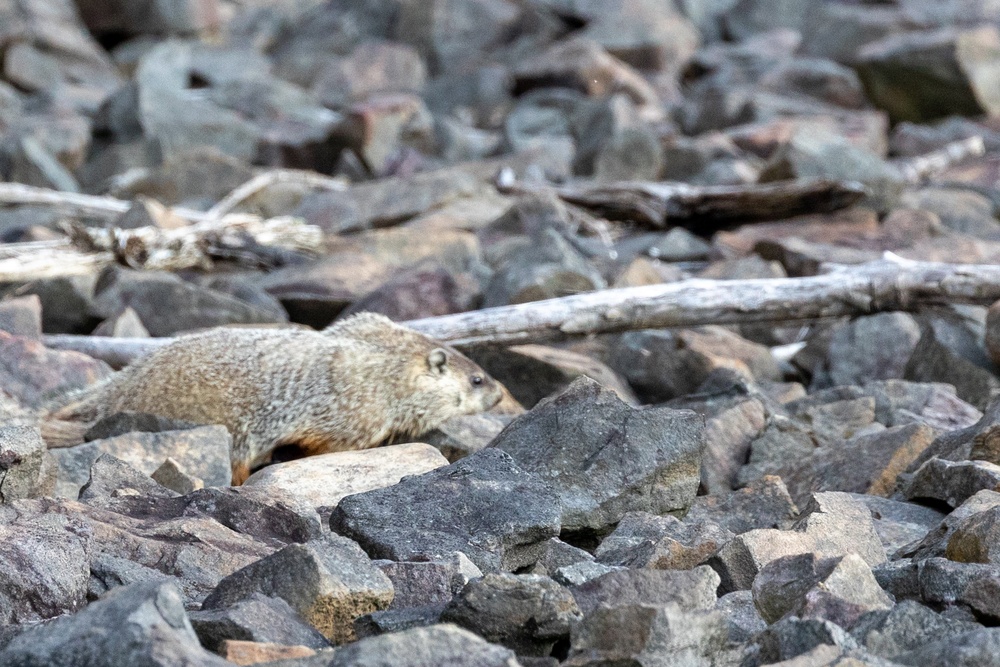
x=204 y=451
x=872 y=347
x=643 y=540
x=580 y=573
x=466 y=434
x=975 y=538
x=258 y=618
x=397 y=620
x=839 y=590
x=646 y=635
x=947 y=72
x=691 y=589
x=443 y=644
x=907 y=627
x=832 y=525
x=979 y=648
x=121 y=423
x=22 y=316
x=43 y=565
x=936 y=539
x=126 y=324
x=961 y=210
x=111 y=477
x=172 y=475
x=66 y=303
x=428 y=582
x=34 y=375
x=556 y=554
x=792 y=637
x=949 y=352
x=527 y=613
x=897 y=523
x=329 y=581
x=167 y=305
x=484 y=506
x=952 y=482
x=140 y=624
x=576 y=442
x=741 y=615
x=763 y=503
x=22 y=452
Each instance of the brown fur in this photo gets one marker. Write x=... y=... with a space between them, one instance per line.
x=360 y=382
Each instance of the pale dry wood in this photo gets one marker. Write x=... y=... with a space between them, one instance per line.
x=867 y=288
x=921 y=167
x=273 y=177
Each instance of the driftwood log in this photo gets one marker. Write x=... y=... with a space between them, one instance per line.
x=861 y=289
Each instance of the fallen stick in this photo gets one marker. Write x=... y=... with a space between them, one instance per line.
x=860 y=289
x=917 y=169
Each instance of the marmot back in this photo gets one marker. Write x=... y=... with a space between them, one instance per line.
x=355 y=385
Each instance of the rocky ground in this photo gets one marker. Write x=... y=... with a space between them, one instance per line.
x=695 y=496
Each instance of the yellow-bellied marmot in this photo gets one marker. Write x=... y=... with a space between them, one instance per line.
x=360 y=382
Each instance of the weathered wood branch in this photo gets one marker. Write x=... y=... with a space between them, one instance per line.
x=919 y=168
x=861 y=289
x=658 y=204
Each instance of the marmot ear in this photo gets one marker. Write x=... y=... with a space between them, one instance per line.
x=436 y=359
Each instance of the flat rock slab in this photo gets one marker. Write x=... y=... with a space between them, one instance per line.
x=605 y=458
x=202 y=451
x=443 y=644
x=321 y=481
x=484 y=506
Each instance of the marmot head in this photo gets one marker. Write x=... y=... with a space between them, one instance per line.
x=464 y=387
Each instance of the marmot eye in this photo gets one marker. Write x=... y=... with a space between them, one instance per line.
x=477 y=379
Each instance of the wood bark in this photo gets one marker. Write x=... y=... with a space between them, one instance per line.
x=857 y=290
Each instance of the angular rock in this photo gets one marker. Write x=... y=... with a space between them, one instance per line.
x=484 y=506
x=949 y=352
x=464 y=435
x=372 y=67
x=832 y=525
x=741 y=615
x=442 y=644
x=22 y=453
x=322 y=481
x=763 y=503
x=636 y=634
x=906 y=627
x=975 y=539
x=979 y=648
x=243 y=652
x=66 y=303
x=691 y=589
x=126 y=324
x=643 y=540
x=794 y=637
x=204 y=451
x=897 y=523
x=527 y=613
x=605 y=458
x=139 y=624
x=730 y=427
x=121 y=423
x=952 y=482
x=329 y=581
x=396 y=620
x=422 y=292
x=874 y=347
x=580 y=573
x=258 y=618
x=22 y=316
x=418 y=584
x=166 y=304
x=555 y=555
x=172 y=475
x=936 y=540
x=950 y=71
x=34 y=375
x=840 y=590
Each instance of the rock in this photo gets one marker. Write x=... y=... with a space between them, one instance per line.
x=948 y=71
x=121 y=423
x=126 y=324
x=580 y=573
x=906 y=627
x=897 y=523
x=372 y=67
x=643 y=540
x=974 y=540
x=22 y=453
x=872 y=347
x=166 y=304
x=661 y=365
x=380 y=129
x=172 y=475
x=251 y=653
x=935 y=540
x=741 y=615
x=34 y=375
x=204 y=451
x=637 y=634
x=418 y=584
x=832 y=525
x=979 y=648
x=730 y=427
x=952 y=482
x=764 y=503
x=692 y=589
x=419 y=293
x=43 y=566
x=31 y=163
x=397 y=620
x=794 y=637
x=556 y=555
x=484 y=506
x=965 y=440
x=323 y=480
x=576 y=443
x=173 y=18
x=139 y=624
x=527 y=613
x=257 y=618
x=460 y=436
x=329 y=581
x=840 y=589
x=22 y=316
x=422 y=647
x=962 y=210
